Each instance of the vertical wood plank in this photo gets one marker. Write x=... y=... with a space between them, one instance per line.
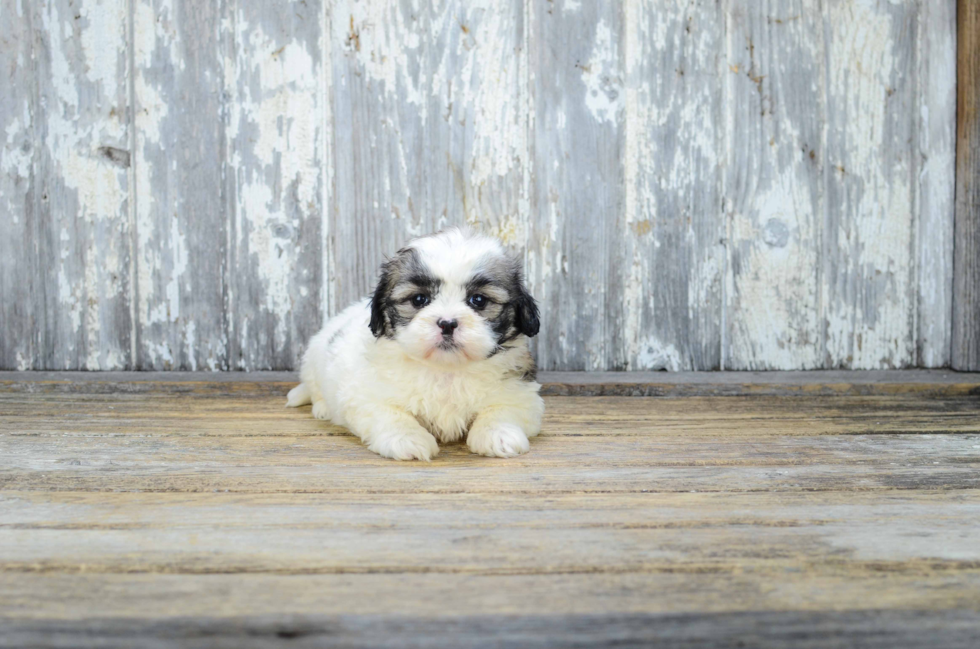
x=430 y=128
x=83 y=297
x=774 y=184
x=17 y=110
x=868 y=287
x=935 y=111
x=178 y=166
x=667 y=292
x=575 y=265
x=275 y=82
x=966 y=265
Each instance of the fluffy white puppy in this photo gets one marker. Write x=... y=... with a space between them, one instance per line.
x=439 y=352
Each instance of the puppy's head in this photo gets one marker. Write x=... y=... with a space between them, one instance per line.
x=452 y=298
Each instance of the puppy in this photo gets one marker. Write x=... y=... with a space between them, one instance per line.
x=439 y=352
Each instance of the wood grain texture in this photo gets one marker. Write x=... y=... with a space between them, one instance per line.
x=774 y=189
x=868 y=281
x=935 y=161
x=577 y=98
x=335 y=464
x=17 y=175
x=49 y=598
x=277 y=120
x=866 y=629
x=191 y=515
x=966 y=274
x=693 y=185
x=83 y=295
x=305 y=534
x=672 y=223
x=429 y=128
x=179 y=168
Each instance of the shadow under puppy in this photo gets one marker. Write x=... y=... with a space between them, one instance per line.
x=439 y=352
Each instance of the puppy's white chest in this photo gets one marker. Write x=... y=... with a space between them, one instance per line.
x=444 y=404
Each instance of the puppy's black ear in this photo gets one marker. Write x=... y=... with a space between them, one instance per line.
x=526 y=312
x=379 y=322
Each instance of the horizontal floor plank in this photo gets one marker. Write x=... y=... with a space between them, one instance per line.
x=859 y=629
x=205 y=508
x=311 y=534
x=169 y=414
x=134 y=452
x=510 y=479
x=42 y=596
x=187 y=443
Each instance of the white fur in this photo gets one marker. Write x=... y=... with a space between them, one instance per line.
x=401 y=395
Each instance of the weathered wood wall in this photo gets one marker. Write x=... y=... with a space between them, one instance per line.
x=734 y=184
x=966 y=256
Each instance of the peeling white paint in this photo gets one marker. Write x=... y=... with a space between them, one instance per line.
x=157 y=280
x=774 y=299
x=776 y=293
x=101 y=22
x=90 y=193
x=152 y=111
x=190 y=340
x=868 y=319
x=69 y=299
x=451 y=83
x=663 y=188
x=276 y=88
x=499 y=133
x=654 y=355
x=179 y=247
x=369 y=31
x=161 y=352
x=16 y=162
x=936 y=155
x=602 y=76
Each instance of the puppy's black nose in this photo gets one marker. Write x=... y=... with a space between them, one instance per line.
x=447 y=326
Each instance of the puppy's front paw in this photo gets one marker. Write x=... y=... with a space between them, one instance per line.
x=320 y=410
x=409 y=445
x=499 y=440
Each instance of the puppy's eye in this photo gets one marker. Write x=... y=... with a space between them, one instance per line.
x=478 y=302
x=419 y=301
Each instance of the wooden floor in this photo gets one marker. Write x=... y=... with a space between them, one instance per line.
x=198 y=511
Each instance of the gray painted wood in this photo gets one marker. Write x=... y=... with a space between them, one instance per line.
x=83 y=295
x=577 y=54
x=672 y=226
x=966 y=276
x=429 y=128
x=694 y=185
x=868 y=287
x=276 y=85
x=17 y=110
x=774 y=186
x=935 y=159
x=179 y=166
